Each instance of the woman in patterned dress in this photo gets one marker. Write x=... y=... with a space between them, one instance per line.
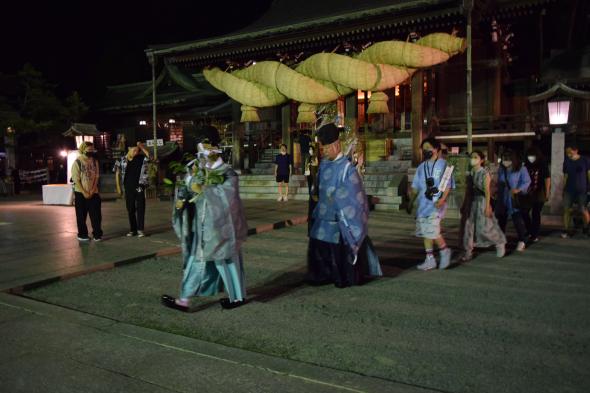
x=481 y=227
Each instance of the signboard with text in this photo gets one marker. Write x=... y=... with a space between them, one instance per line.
x=150 y=142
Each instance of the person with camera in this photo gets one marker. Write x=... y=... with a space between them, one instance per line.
x=513 y=183
x=431 y=186
x=481 y=228
x=132 y=169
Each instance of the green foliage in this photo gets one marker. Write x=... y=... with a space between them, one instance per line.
x=39 y=109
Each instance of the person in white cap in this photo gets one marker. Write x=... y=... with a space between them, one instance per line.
x=209 y=220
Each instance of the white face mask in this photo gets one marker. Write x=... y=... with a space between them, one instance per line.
x=532 y=159
x=310 y=152
x=474 y=161
x=507 y=163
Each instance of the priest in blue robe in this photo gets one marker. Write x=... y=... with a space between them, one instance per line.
x=340 y=252
x=209 y=220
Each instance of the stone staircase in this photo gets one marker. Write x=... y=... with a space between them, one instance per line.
x=265 y=165
x=265 y=187
x=261 y=183
x=386 y=182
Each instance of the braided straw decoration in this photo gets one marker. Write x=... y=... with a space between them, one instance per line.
x=324 y=77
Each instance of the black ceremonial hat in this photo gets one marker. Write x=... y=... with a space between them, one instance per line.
x=328 y=133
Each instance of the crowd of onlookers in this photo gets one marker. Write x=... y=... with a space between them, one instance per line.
x=522 y=186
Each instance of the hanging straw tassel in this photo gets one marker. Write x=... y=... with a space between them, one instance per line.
x=249 y=113
x=378 y=103
x=306 y=113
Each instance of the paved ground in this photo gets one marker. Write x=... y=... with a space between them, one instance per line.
x=518 y=324
x=39 y=242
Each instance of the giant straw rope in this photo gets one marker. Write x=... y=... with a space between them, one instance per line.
x=324 y=77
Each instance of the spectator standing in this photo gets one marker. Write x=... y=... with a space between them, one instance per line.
x=15 y=180
x=85 y=174
x=304 y=143
x=576 y=169
x=283 y=168
x=132 y=170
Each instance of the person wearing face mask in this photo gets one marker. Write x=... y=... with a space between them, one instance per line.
x=209 y=220
x=85 y=174
x=132 y=169
x=305 y=145
x=537 y=194
x=311 y=167
x=339 y=252
x=283 y=167
x=481 y=228
x=576 y=169
x=513 y=183
x=431 y=205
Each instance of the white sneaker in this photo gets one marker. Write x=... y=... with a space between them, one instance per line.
x=520 y=246
x=129 y=234
x=445 y=258
x=280 y=198
x=285 y=198
x=428 y=264
x=140 y=234
x=500 y=250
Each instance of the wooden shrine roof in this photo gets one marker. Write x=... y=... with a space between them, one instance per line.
x=309 y=24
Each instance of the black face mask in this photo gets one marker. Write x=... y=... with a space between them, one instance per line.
x=91 y=154
x=427 y=154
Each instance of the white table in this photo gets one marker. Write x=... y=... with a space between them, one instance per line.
x=58 y=194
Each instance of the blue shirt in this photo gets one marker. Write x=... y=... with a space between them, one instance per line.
x=435 y=170
x=516 y=180
x=577 y=175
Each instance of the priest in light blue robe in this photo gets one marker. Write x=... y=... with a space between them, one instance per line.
x=340 y=252
x=209 y=220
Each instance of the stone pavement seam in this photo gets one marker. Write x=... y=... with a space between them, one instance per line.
x=122 y=374
x=217 y=352
x=267 y=369
x=20 y=289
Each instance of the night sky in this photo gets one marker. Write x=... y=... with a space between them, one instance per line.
x=87 y=45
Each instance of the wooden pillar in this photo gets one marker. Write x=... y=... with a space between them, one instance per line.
x=236 y=146
x=286 y=125
x=351 y=107
x=491 y=150
x=237 y=137
x=417 y=116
